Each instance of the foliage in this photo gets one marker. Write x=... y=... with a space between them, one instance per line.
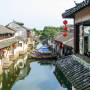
x=47 y=33
x=37 y=32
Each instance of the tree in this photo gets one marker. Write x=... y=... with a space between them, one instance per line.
x=48 y=33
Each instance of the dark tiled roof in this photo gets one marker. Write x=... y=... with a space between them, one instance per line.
x=57 y=38
x=61 y=38
x=70 y=12
x=68 y=40
x=19 y=23
x=4 y=30
x=7 y=42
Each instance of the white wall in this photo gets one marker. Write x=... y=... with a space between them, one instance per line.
x=20 y=31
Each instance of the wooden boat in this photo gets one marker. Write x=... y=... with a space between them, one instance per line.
x=43 y=53
x=43 y=56
x=38 y=55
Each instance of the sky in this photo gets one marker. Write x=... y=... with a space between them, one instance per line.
x=35 y=13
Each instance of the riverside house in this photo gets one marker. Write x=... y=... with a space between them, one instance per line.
x=30 y=39
x=63 y=46
x=5 y=32
x=81 y=15
x=7 y=45
x=14 y=41
x=21 y=35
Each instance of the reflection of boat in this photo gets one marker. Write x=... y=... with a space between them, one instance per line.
x=43 y=53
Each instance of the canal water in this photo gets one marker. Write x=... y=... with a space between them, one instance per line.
x=35 y=75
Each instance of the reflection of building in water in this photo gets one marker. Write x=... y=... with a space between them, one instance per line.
x=11 y=75
x=0 y=82
x=24 y=72
x=62 y=79
x=21 y=62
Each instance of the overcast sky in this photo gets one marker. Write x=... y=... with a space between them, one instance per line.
x=34 y=13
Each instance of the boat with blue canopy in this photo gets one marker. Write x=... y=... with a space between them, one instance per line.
x=44 y=49
x=42 y=53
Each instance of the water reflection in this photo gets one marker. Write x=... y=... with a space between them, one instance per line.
x=24 y=72
x=14 y=73
x=36 y=75
x=40 y=78
x=62 y=79
x=9 y=77
x=1 y=82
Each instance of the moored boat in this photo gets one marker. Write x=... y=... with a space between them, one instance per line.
x=43 y=53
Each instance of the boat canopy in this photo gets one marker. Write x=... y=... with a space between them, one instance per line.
x=44 y=49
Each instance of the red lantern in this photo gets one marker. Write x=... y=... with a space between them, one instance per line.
x=14 y=46
x=65 y=28
x=64 y=34
x=65 y=22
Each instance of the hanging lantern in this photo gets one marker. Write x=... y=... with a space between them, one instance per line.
x=65 y=22
x=14 y=46
x=65 y=28
x=65 y=34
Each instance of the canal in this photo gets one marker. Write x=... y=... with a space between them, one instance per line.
x=35 y=75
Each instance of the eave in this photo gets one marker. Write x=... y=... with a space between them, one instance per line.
x=71 y=12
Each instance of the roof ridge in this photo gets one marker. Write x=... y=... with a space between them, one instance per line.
x=69 y=13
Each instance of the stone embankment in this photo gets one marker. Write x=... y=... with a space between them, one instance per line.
x=77 y=73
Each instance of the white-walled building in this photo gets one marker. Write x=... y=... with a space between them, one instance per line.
x=18 y=27
x=20 y=34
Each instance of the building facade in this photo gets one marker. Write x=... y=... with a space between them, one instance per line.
x=81 y=15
